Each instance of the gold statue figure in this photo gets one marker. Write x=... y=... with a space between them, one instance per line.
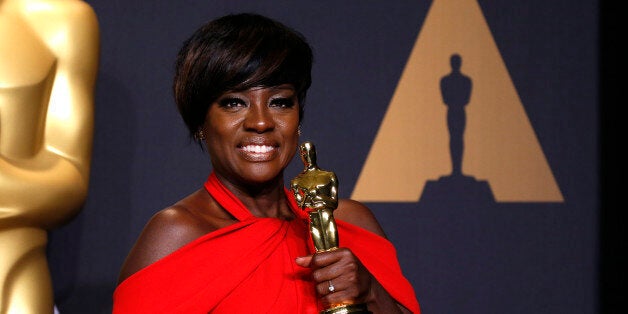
x=48 y=63
x=316 y=191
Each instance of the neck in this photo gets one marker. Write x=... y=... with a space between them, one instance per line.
x=267 y=200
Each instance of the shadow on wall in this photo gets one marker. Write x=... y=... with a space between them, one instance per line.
x=456 y=90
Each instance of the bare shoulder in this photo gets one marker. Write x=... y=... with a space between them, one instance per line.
x=358 y=214
x=166 y=231
x=170 y=229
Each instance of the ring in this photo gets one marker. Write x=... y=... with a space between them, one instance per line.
x=331 y=287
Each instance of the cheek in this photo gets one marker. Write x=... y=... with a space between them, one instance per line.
x=220 y=126
x=291 y=122
x=290 y=130
x=291 y=137
x=291 y=151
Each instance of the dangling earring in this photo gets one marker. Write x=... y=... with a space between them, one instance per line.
x=199 y=135
x=299 y=130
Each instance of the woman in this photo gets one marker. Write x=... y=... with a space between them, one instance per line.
x=240 y=244
x=48 y=65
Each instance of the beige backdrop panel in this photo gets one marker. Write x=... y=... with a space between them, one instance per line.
x=412 y=145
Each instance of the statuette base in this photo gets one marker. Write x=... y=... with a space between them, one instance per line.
x=347 y=308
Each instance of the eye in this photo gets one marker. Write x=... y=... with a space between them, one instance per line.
x=283 y=102
x=231 y=103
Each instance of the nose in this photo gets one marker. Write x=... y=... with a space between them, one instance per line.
x=259 y=119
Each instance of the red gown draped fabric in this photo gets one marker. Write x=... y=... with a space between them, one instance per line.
x=249 y=267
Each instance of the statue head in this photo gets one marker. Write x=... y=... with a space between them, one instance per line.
x=308 y=154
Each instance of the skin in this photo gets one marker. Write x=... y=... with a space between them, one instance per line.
x=236 y=123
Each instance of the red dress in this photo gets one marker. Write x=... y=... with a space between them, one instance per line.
x=249 y=267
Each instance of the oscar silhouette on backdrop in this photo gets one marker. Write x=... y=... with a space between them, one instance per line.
x=456 y=89
x=48 y=64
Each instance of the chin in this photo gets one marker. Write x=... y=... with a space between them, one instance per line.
x=262 y=174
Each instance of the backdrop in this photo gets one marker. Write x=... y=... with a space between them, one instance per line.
x=516 y=233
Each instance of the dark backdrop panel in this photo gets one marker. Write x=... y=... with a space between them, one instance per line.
x=460 y=257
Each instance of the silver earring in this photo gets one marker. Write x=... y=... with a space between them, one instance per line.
x=299 y=130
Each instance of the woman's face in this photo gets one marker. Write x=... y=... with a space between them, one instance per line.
x=251 y=135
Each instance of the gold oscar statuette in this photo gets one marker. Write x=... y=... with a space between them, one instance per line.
x=49 y=54
x=316 y=192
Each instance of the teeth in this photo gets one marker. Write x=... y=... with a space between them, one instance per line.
x=257 y=148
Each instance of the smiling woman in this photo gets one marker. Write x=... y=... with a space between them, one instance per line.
x=251 y=135
x=240 y=244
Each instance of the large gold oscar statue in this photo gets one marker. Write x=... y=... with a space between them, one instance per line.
x=316 y=192
x=49 y=53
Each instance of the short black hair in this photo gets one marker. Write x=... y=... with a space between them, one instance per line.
x=234 y=53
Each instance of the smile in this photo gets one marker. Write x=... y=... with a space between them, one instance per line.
x=257 y=153
x=258 y=149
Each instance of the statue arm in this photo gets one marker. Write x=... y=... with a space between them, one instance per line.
x=44 y=191
x=467 y=96
x=327 y=200
x=333 y=191
x=70 y=30
x=298 y=192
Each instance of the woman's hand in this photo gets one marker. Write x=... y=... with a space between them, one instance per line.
x=341 y=270
x=352 y=282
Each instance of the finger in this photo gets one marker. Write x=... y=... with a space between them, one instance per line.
x=336 y=296
x=304 y=261
x=327 y=288
x=323 y=259
x=329 y=265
